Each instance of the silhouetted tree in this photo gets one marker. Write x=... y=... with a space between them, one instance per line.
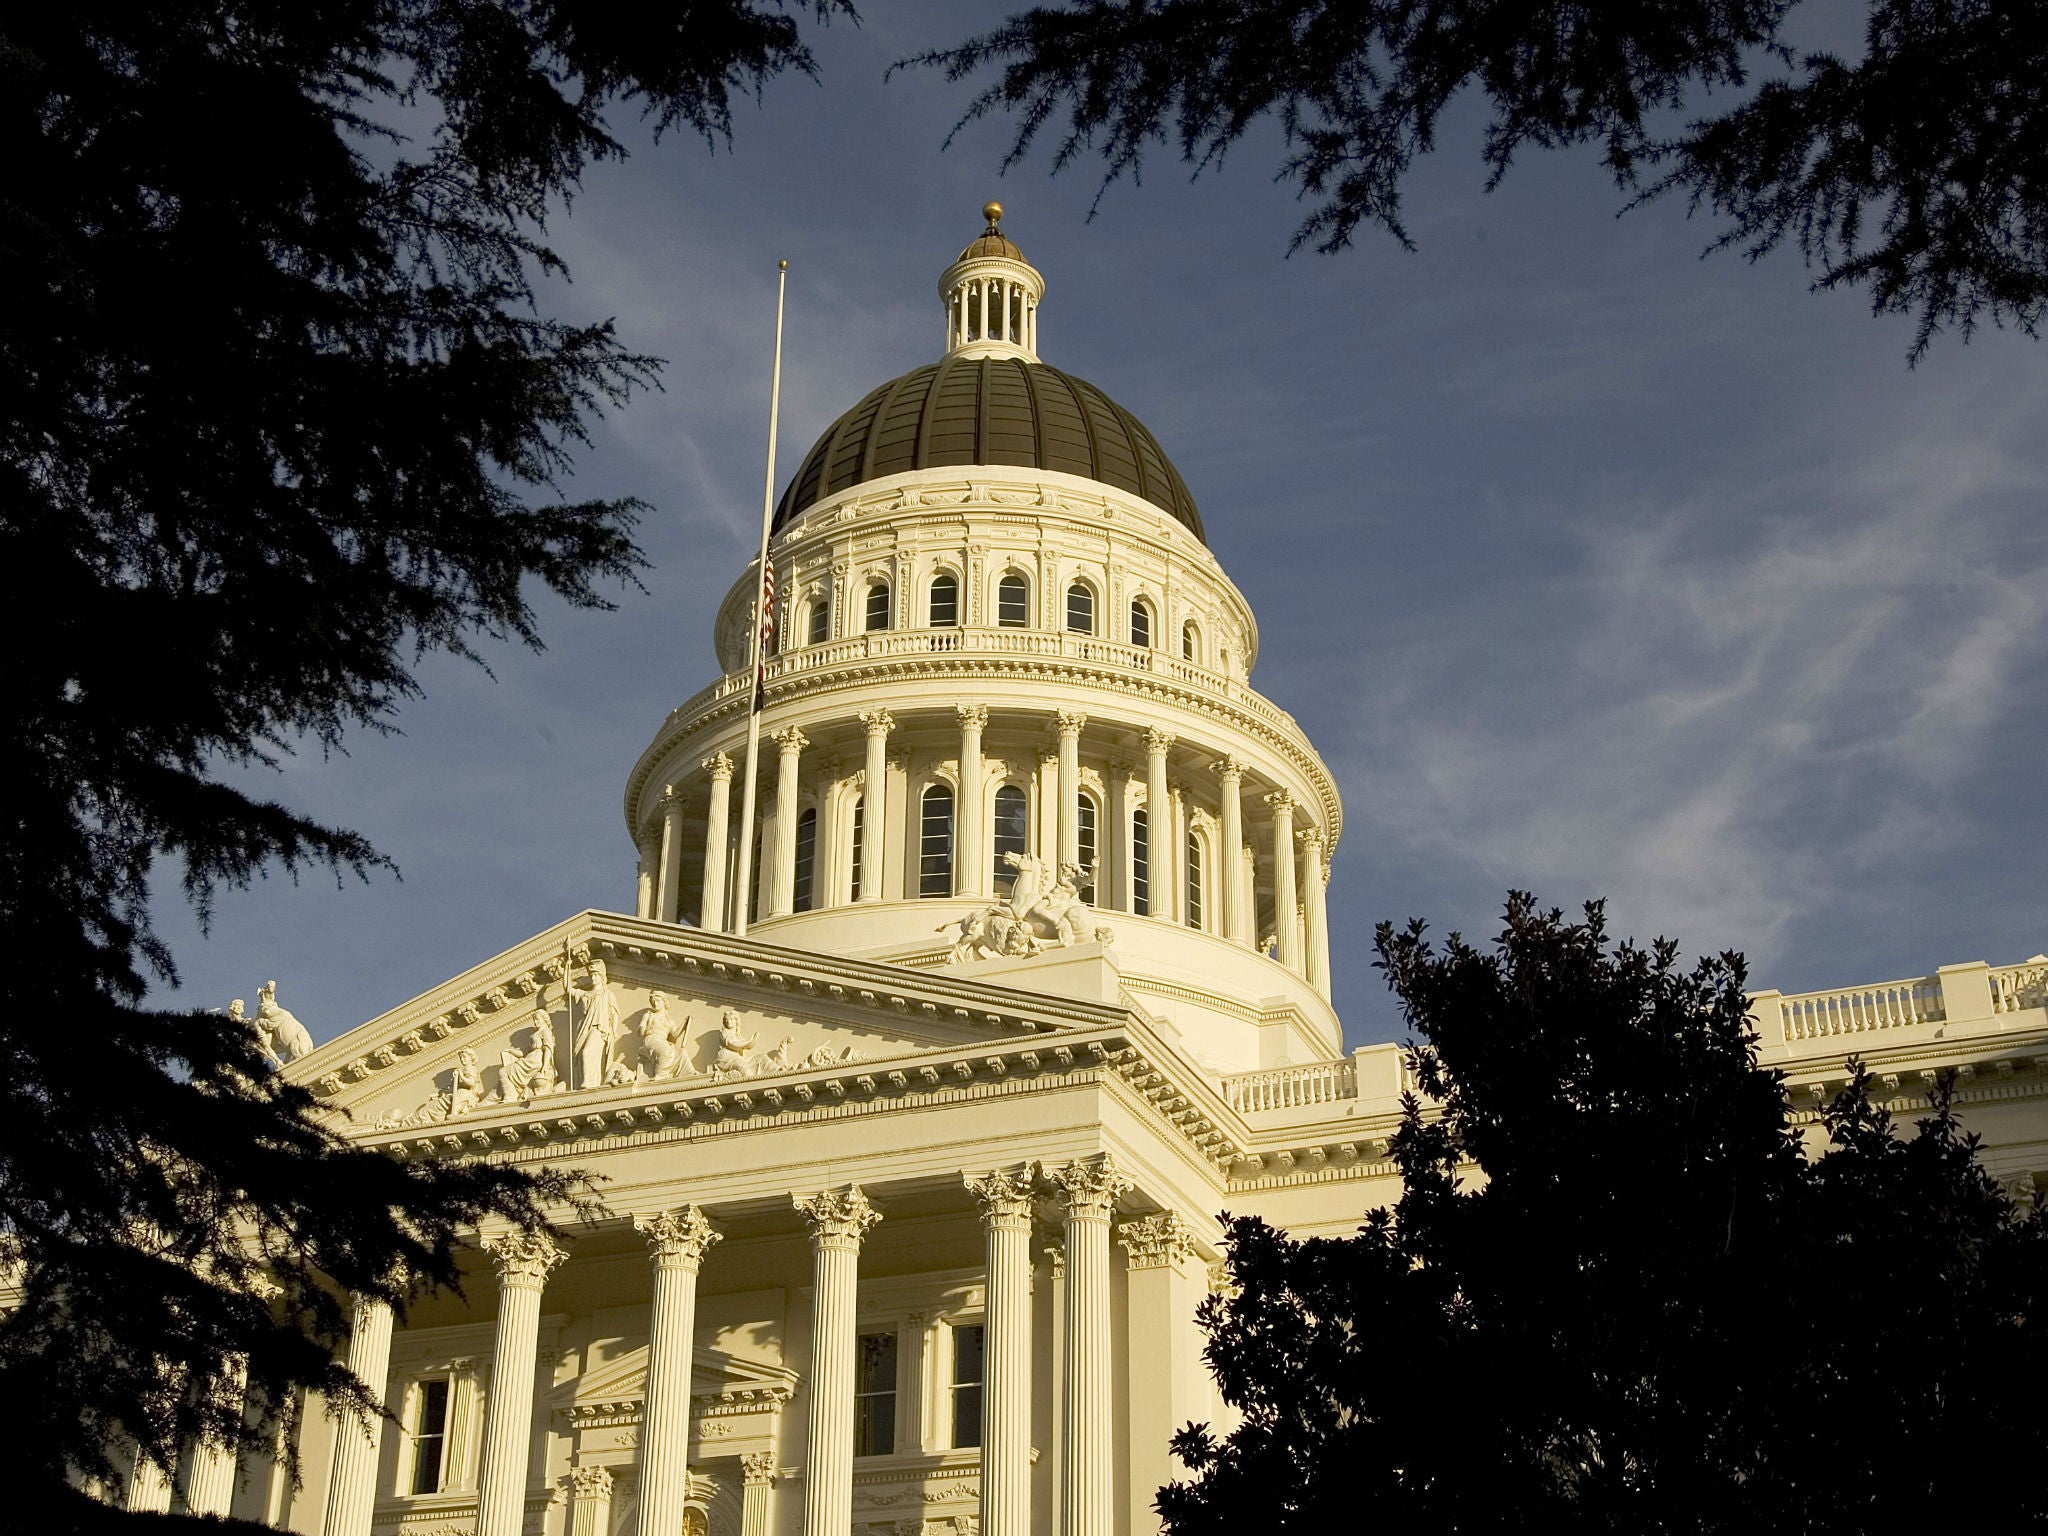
x=1919 y=169
x=279 y=412
x=1615 y=1296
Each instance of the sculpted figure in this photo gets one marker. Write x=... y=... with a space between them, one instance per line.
x=734 y=1047
x=255 y=1026
x=465 y=1092
x=287 y=1036
x=777 y=1060
x=530 y=1073
x=826 y=1056
x=597 y=1031
x=1044 y=906
x=661 y=1039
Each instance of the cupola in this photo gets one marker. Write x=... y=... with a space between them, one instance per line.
x=991 y=296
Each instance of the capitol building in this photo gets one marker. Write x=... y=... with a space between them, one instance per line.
x=914 y=1161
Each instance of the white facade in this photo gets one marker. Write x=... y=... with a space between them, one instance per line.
x=915 y=1184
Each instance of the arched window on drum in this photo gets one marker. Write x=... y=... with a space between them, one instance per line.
x=935 y=842
x=1081 y=608
x=943 y=608
x=1012 y=835
x=1013 y=602
x=878 y=606
x=818 y=622
x=1194 y=888
x=1089 y=839
x=1190 y=642
x=802 y=888
x=1141 y=865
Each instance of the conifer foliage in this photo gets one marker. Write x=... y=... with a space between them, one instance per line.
x=280 y=410
x=1616 y=1295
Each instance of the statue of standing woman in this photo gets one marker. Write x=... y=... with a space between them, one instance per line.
x=597 y=1031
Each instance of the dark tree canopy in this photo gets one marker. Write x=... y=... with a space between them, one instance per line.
x=1651 y=1312
x=279 y=413
x=1918 y=170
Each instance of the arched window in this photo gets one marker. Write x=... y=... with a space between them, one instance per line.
x=1141 y=625
x=878 y=606
x=1013 y=824
x=1190 y=642
x=820 y=628
x=1080 y=609
x=1141 y=866
x=806 y=860
x=935 y=844
x=1194 y=901
x=853 y=864
x=945 y=600
x=1013 y=602
x=1089 y=841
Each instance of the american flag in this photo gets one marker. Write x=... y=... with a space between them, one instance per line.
x=767 y=635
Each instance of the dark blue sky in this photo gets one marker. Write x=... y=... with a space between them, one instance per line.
x=1591 y=566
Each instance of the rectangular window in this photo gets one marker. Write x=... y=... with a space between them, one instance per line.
x=878 y=607
x=806 y=860
x=1085 y=836
x=874 y=1395
x=935 y=843
x=1141 y=866
x=968 y=1376
x=1194 y=863
x=853 y=891
x=1013 y=603
x=430 y=1436
x=1013 y=816
x=945 y=603
x=821 y=622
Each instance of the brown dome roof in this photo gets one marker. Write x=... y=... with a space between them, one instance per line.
x=992 y=244
x=991 y=410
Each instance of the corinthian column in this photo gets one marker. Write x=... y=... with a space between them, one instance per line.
x=677 y=1240
x=1284 y=922
x=1070 y=723
x=149 y=1491
x=969 y=859
x=1160 y=854
x=711 y=914
x=1087 y=1495
x=1314 y=875
x=1230 y=781
x=782 y=895
x=879 y=723
x=838 y=1220
x=668 y=899
x=352 y=1476
x=1006 y=1428
x=758 y=1468
x=1163 y=1287
x=590 y=1508
x=524 y=1261
x=210 y=1484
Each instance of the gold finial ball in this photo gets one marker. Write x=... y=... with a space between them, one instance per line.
x=993 y=212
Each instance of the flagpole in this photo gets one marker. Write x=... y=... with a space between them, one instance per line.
x=764 y=616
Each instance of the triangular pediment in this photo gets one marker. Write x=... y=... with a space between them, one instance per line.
x=618 y=1387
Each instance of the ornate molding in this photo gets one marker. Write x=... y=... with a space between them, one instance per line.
x=1158 y=742
x=525 y=1259
x=879 y=722
x=1071 y=722
x=973 y=717
x=682 y=1236
x=1280 y=802
x=1090 y=1186
x=590 y=1483
x=1004 y=1196
x=1163 y=1241
x=719 y=766
x=758 y=1468
x=1227 y=768
x=837 y=1218
x=792 y=740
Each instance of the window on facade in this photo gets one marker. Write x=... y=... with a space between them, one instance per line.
x=1080 y=609
x=853 y=887
x=878 y=606
x=756 y=902
x=874 y=1395
x=806 y=860
x=1141 y=866
x=967 y=1386
x=429 y=1436
x=945 y=604
x=1085 y=829
x=1190 y=641
x=935 y=844
x=1013 y=822
x=1194 y=901
x=1013 y=602
x=820 y=622
x=1141 y=625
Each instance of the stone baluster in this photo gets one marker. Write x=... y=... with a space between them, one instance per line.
x=711 y=911
x=1315 y=876
x=1163 y=876
x=839 y=1220
x=1229 y=874
x=352 y=1475
x=1286 y=919
x=758 y=1472
x=1087 y=1494
x=970 y=859
x=1005 y=1198
x=782 y=896
x=590 y=1502
x=1163 y=1286
x=677 y=1241
x=874 y=795
x=524 y=1262
x=1070 y=723
x=668 y=886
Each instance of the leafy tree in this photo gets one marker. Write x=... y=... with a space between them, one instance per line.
x=1919 y=170
x=1615 y=1295
x=279 y=412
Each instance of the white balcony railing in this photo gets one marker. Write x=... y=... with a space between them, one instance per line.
x=1860 y=1010
x=2014 y=987
x=1301 y=1087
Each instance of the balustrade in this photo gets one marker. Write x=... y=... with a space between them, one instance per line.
x=1297 y=1087
x=1859 y=1010
x=2014 y=987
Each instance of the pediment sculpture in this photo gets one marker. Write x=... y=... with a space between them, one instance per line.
x=1043 y=910
x=283 y=1038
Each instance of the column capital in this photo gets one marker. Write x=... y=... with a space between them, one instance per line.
x=1158 y=741
x=878 y=721
x=1282 y=802
x=838 y=1218
x=758 y=1468
x=1090 y=1186
x=682 y=1236
x=1228 y=768
x=672 y=797
x=525 y=1259
x=1004 y=1196
x=718 y=765
x=1070 y=722
x=590 y=1482
x=1157 y=1242
x=792 y=740
x=973 y=717
x=1310 y=838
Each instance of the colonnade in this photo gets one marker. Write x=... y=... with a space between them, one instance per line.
x=992 y=309
x=1295 y=855
x=837 y=1222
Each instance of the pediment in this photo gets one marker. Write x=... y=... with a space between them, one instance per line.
x=720 y=1382
x=608 y=1005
